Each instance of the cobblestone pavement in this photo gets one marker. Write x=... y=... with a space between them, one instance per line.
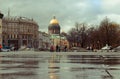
x=59 y=65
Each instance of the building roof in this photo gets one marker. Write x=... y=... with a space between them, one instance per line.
x=19 y=20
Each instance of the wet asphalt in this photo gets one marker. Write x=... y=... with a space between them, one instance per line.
x=59 y=65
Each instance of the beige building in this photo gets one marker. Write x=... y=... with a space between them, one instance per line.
x=56 y=37
x=60 y=40
x=19 y=31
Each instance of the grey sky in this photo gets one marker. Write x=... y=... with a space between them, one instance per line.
x=66 y=11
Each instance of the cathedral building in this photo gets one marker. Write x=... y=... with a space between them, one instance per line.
x=55 y=34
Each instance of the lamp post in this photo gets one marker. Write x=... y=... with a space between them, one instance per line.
x=60 y=40
x=98 y=44
x=1 y=16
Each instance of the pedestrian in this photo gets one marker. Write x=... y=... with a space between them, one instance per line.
x=51 y=48
x=65 y=48
x=57 y=48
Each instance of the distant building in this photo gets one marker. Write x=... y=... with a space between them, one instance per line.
x=60 y=40
x=44 y=41
x=55 y=35
x=1 y=16
x=19 y=31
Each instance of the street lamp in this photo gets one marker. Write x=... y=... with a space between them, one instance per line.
x=98 y=42
x=1 y=16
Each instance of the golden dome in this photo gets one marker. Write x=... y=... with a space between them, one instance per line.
x=54 y=21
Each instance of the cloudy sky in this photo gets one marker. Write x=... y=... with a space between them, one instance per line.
x=66 y=11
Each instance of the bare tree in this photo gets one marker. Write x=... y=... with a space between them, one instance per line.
x=108 y=32
x=78 y=35
x=97 y=36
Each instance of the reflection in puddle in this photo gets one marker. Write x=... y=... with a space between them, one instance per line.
x=54 y=76
x=53 y=68
x=60 y=67
x=93 y=59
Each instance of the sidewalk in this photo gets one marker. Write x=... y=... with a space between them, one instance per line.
x=57 y=53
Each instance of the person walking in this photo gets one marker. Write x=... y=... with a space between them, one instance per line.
x=57 y=48
x=65 y=48
x=52 y=48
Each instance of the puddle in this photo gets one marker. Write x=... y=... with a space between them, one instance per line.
x=59 y=67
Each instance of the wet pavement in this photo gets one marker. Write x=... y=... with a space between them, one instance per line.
x=59 y=66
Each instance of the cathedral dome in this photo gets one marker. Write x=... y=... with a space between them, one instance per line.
x=54 y=21
x=54 y=25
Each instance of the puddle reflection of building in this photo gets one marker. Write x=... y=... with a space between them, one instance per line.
x=53 y=68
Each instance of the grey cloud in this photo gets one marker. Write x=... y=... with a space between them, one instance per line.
x=67 y=11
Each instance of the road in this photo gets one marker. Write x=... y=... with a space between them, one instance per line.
x=59 y=65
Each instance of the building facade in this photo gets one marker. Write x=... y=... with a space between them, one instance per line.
x=44 y=41
x=19 y=31
x=60 y=40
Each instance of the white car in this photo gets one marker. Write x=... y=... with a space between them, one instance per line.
x=5 y=50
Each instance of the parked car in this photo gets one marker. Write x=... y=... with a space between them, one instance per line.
x=106 y=48
x=6 y=49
